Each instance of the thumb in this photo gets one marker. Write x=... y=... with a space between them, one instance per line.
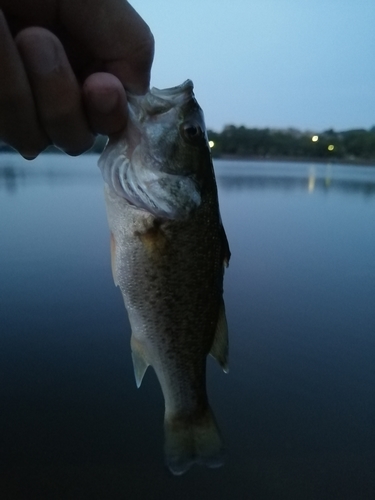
x=114 y=34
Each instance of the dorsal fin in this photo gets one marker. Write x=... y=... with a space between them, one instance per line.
x=219 y=348
x=225 y=250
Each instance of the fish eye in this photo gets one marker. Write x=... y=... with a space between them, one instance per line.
x=192 y=131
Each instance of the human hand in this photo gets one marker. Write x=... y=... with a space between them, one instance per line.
x=64 y=69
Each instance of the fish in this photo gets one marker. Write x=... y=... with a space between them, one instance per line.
x=168 y=255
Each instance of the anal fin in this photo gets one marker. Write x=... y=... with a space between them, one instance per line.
x=219 y=348
x=140 y=364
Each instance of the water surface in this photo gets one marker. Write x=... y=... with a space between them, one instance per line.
x=297 y=409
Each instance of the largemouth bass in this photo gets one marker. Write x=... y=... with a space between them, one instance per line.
x=169 y=249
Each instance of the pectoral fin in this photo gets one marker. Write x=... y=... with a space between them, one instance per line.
x=113 y=259
x=140 y=364
x=219 y=349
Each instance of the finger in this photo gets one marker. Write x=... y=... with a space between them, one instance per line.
x=19 y=125
x=115 y=34
x=105 y=102
x=56 y=91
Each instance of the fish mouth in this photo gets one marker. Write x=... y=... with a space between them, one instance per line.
x=159 y=101
x=185 y=88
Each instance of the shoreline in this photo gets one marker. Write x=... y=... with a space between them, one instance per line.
x=302 y=159
x=276 y=159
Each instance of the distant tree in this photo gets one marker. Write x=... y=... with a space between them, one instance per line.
x=289 y=143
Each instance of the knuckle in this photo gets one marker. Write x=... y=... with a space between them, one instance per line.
x=28 y=149
x=31 y=149
x=24 y=136
x=144 y=52
x=81 y=148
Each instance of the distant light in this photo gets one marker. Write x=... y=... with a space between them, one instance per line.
x=315 y=138
x=331 y=147
x=211 y=144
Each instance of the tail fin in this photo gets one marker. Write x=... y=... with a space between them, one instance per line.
x=190 y=440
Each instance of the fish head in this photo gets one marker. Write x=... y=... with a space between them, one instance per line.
x=171 y=129
x=162 y=161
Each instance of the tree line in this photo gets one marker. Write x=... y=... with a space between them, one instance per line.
x=240 y=141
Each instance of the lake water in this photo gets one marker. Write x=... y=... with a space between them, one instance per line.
x=297 y=409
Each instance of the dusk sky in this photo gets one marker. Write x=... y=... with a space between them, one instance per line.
x=269 y=63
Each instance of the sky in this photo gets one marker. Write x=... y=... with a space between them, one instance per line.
x=269 y=63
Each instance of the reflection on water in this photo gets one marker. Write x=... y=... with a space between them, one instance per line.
x=16 y=172
x=297 y=409
x=321 y=177
x=9 y=176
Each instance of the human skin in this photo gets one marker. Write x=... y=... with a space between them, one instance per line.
x=65 y=67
